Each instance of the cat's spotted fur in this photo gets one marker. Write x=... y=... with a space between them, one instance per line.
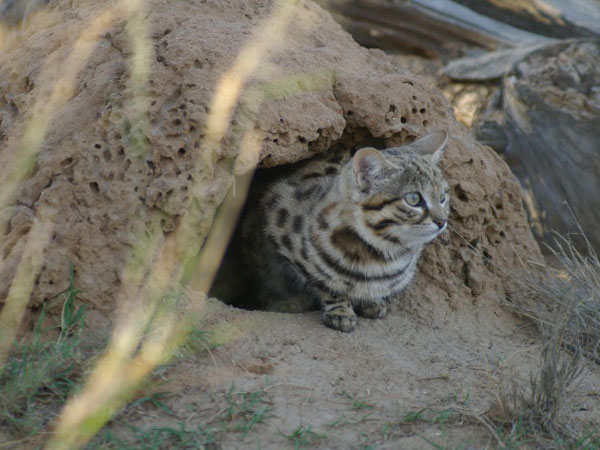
x=346 y=232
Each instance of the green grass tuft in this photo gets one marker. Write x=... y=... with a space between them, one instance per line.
x=40 y=374
x=303 y=437
x=245 y=409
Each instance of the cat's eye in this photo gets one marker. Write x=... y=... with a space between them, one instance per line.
x=443 y=198
x=413 y=199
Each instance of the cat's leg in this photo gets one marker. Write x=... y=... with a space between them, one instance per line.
x=371 y=309
x=338 y=313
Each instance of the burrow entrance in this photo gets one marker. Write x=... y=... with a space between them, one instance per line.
x=234 y=284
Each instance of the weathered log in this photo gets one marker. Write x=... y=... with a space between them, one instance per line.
x=446 y=28
x=547 y=126
x=552 y=116
x=553 y=18
x=488 y=66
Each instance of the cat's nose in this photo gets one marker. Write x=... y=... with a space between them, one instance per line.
x=440 y=223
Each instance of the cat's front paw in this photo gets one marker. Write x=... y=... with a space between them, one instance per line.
x=371 y=310
x=340 y=319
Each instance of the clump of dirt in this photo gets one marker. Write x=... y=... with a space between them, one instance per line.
x=442 y=338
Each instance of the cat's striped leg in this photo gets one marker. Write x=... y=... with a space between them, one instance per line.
x=338 y=313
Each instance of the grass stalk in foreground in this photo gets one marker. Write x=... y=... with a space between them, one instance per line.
x=120 y=370
x=18 y=165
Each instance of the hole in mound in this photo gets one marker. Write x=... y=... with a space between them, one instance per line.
x=66 y=162
x=460 y=193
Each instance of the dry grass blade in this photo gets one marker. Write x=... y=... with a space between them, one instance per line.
x=122 y=368
x=17 y=164
x=570 y=292
x=565 y=304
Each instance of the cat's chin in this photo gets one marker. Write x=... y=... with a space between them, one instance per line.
x=424 y=236
x=435 y=231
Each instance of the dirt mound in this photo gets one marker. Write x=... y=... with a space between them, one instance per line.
x=330 y=91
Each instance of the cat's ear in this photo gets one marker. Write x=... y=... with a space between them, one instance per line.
x=367 y=164
x=432 y=145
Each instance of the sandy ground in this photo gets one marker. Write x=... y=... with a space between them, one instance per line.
x=355 y=390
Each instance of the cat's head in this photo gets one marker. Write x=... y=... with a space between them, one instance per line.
x=400 y=193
